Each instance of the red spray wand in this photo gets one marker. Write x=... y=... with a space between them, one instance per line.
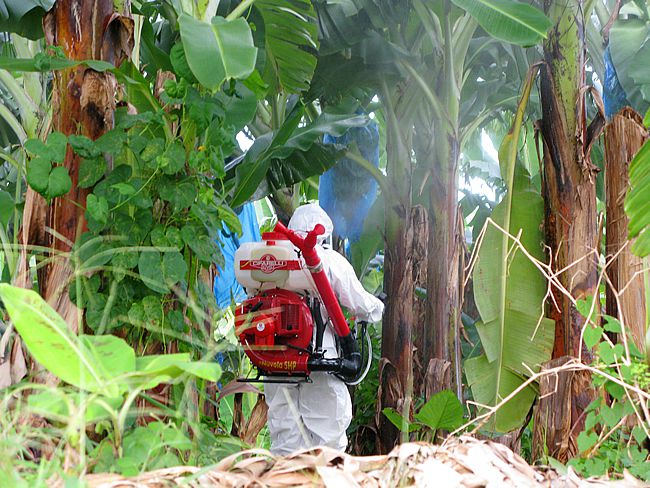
x=307 y=246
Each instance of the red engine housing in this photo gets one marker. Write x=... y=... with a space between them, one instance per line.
x=275 y=328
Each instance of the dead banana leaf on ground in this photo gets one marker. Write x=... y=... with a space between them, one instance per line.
x=462 y=462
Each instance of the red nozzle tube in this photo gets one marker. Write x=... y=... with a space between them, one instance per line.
x=307 y=248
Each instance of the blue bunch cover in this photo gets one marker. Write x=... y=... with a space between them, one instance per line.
x=614 y=97
x=226 y=288
x=347 y=191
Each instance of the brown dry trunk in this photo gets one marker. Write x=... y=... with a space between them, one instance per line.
x=396 y=369
x=554 y=430
x=420 y=224
x=396 y=366
x=624 y=136
x=443 y=259
x=83 y=103
x=569 y=191
x=444 y=283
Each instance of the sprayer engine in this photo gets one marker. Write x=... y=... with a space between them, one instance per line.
x=276 y=327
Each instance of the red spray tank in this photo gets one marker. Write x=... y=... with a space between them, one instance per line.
x=276 y=325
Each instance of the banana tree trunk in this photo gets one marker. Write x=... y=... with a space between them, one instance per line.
x=569 y=177
x=83 y=102
x=624 y=136
x=444 y=280
x=569 y=189
x=396 y=367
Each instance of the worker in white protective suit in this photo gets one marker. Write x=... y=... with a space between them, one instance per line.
x=318 y=413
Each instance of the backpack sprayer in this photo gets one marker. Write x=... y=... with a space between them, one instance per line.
x=276 y=325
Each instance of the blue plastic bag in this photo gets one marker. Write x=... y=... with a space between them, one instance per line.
x=226 y=287
x=347 y=191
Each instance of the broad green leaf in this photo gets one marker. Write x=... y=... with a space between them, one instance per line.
x=592 y=336
x=231 y=219
x=398 y=420
x=175 y=365
x=174 y=267
x=97 y=208
x=59 y=182
x=240 y=108
x=57 y=144
x=138 y=93
x=201 y=369
x=586 y=440
x=53 y=344
x=442 y=411
x=42 y=62
x=91 y=171
x=251 y=172
x=483 y=376
x=509 y=292
x=219 y=50
x=290 y=38
x=151 y=270
x=83 y=146
x=629 y=46
x=24 y=17
x=7 y=206
x=179 y=62
x=173 y=160
x=637 y=202
x=38 y=173
x=291 y=155
x=111 y=352
x=509 y=20
x=55 y=405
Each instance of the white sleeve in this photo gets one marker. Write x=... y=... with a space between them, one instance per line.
x=349 y=289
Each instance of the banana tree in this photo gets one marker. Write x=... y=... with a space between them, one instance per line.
x=425 y=64
x=87 y=109
x=569 y=189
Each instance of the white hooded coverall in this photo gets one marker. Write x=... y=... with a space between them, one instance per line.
x=318 y=413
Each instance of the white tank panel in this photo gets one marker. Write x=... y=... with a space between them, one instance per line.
x=258 y=266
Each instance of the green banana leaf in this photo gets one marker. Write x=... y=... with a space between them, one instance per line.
x=24 y=17
x=509 y=292
x=629 y=45
x=291 y=155
x=637 y=202
x=290 y=42
x=218 y=50
x=102 y=364
x=508 y=20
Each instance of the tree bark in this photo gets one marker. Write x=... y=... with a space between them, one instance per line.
x=396 y=377
x=420 y=224
x=561 y=400
x=83 y=102
x=569 y=190
x=569 y=177
x=625 y=295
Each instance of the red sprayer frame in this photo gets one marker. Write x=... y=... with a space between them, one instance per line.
x=307 y=247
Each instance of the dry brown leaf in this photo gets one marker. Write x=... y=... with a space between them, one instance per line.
x=5 y=375
x=464 y=462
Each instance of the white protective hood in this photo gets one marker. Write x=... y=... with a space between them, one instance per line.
x=306 y=217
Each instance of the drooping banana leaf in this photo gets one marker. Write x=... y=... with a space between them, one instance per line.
x=509 y=291
x=291 y=155
x=290 y=43
x=508 y=20
x=24 y=17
